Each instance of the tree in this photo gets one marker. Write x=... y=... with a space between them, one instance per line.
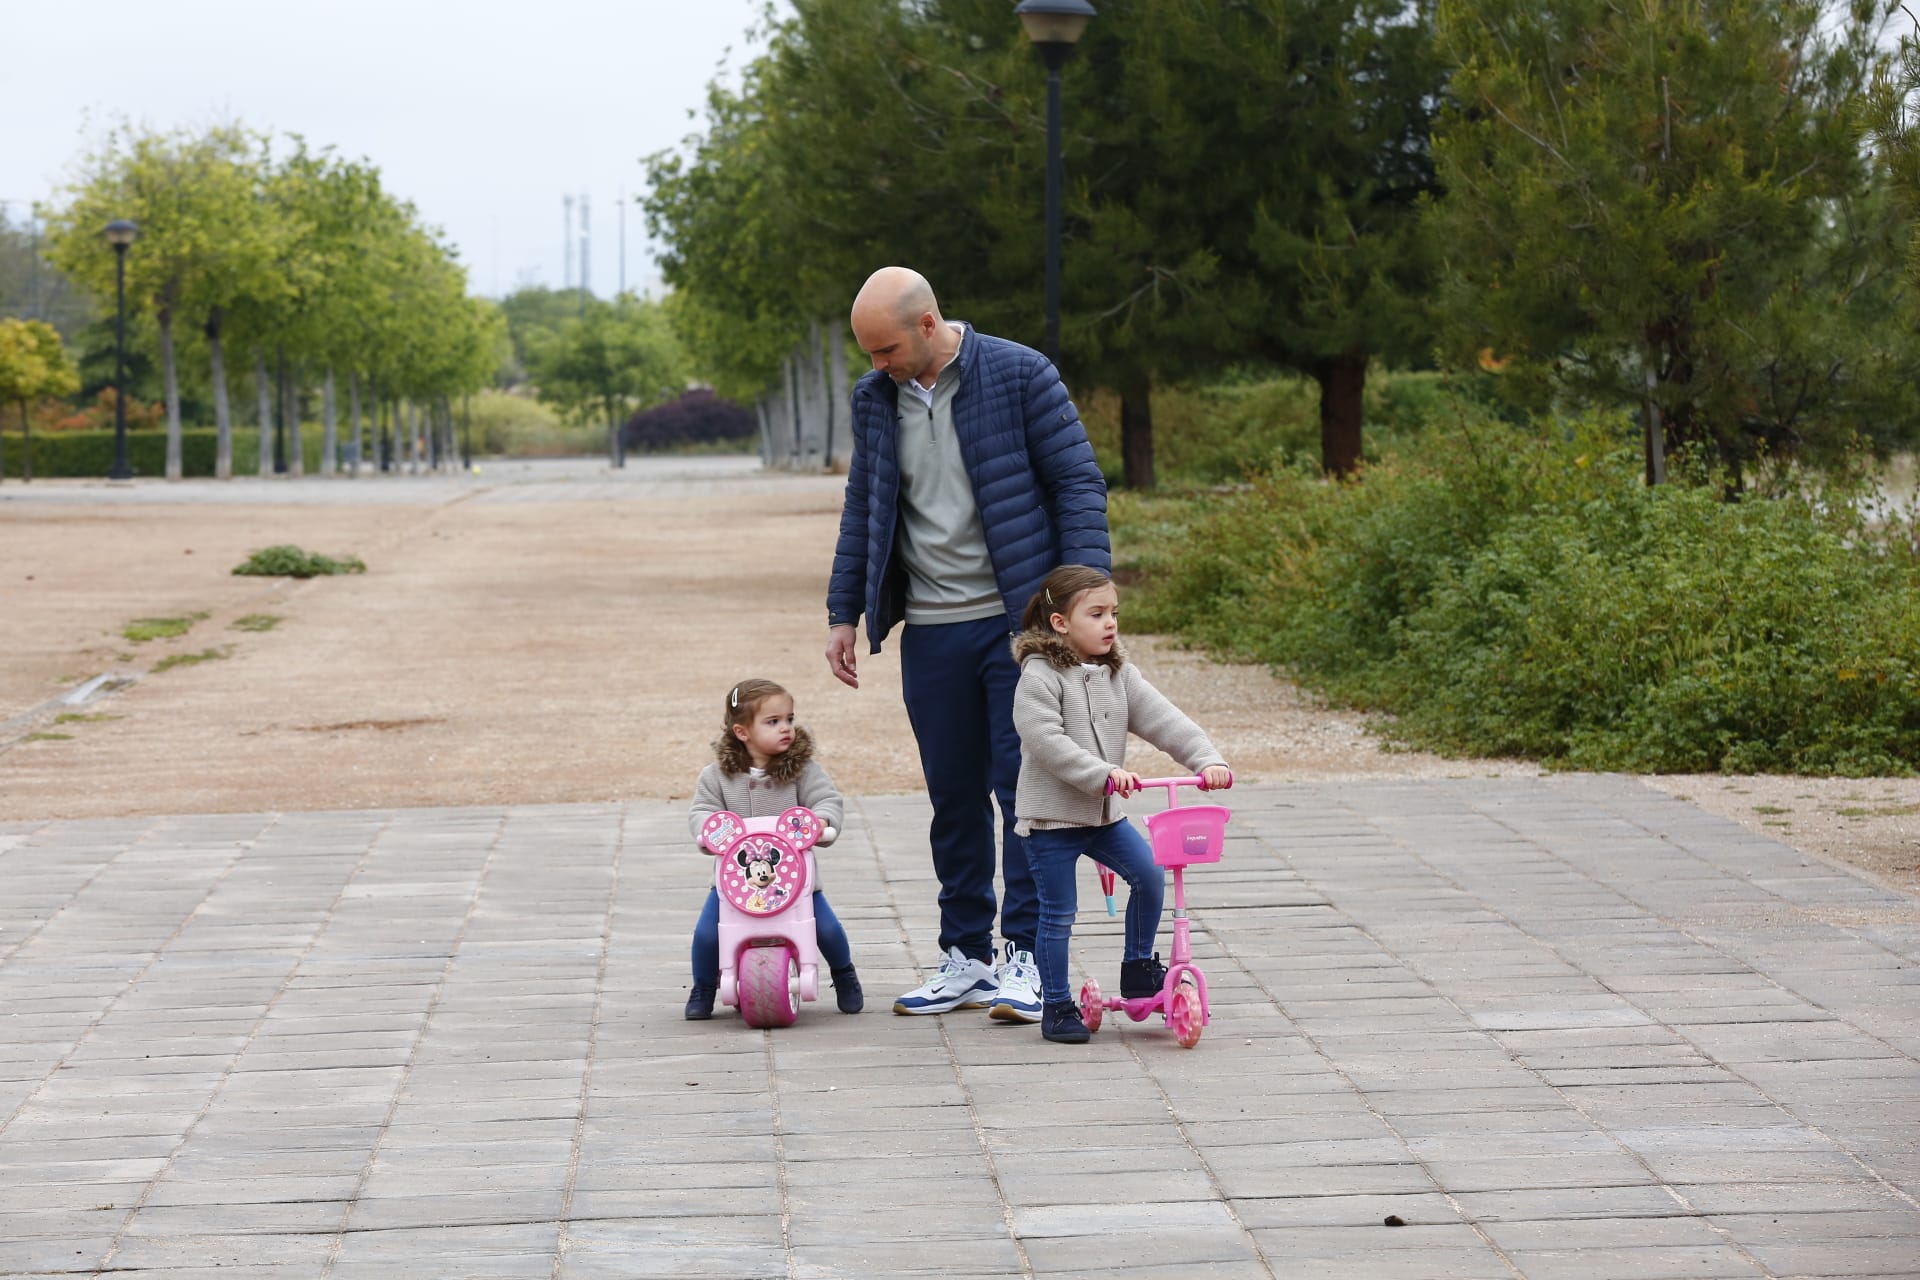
x=532 y=311
x=33 y=365
x=1657 y=205
x=205 y=239
x=617 y=357
x=1243 y=184
x=30 y=288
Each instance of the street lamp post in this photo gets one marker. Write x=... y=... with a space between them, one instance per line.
x=1055 y=27
x=120 y=234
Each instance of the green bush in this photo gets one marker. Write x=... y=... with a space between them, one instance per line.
x=1505 y=593
x=287 y=561
x=518 y=426
x=89 y=454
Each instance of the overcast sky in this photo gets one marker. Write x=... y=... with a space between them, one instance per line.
x=483 y=113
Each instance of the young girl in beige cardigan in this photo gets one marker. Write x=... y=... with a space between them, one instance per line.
x=1077 y=699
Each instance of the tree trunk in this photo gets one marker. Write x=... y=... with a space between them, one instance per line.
x=353 y=413
x=811 y=366
x=1655 y=435
x=839 y=399
x=790 y=369
x=26 y=444
x=1136 y=431
x=296 y=449
x=1342 y=379
x=413 y=437
x=766 y=431
x=172 y=374
x=222 y=410
x=264 y=394
x=329 y=428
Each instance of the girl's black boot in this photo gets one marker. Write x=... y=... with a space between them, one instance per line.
x=1061 y=1023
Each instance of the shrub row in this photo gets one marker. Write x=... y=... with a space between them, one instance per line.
x=80 y=454
x=1501 y=593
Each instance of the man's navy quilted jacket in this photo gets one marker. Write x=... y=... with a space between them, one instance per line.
x=1042 y=499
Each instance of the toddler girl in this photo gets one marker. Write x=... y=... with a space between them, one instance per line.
x=1077 y=699
x=764 y=766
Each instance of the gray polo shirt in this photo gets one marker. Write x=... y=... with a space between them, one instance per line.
x=949 y=574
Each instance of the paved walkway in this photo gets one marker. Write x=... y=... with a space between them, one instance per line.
x=1564 y=1027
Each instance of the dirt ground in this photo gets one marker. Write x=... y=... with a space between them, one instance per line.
x=549 y=633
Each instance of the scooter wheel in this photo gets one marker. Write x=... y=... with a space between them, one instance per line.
x=767 y=998
x=1092 y=1008
x=1184 y=1015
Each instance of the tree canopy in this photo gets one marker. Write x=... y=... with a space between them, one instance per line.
x=298 y=253
x=1665 y=205
x=1242 y=184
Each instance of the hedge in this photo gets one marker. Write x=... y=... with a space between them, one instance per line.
x=80 y=454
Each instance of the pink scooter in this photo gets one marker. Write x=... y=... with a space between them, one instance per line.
x=1181 y=835
x=763 y=870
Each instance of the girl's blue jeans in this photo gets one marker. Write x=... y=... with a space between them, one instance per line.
x=1055 y=855
x=827 y=933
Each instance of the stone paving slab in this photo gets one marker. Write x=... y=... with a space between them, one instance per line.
x=1557 y=1027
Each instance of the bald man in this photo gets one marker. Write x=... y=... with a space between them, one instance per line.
x=971 y=479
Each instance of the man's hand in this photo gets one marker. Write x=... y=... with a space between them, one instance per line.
x=840 y=658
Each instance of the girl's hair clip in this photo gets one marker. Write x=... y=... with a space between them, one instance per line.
x=1048 y=594
x=733 y=699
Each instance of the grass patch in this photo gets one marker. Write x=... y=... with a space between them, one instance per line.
x=1770 y=808
x=187 y=659
x=256 y=622
x=288 y=561
x=84 y=717
x=1892 y=811
x=48 y=737
x=141 y=630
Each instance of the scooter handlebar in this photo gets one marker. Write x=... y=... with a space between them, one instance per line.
x=1191 y=780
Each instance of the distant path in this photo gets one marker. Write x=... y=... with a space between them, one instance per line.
x=542 y=632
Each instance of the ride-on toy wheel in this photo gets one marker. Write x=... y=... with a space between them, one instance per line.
x=1183 y=1015
x=1091 y=1006
x=766 y=987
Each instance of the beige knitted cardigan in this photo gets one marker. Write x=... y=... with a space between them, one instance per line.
x=1074 y=720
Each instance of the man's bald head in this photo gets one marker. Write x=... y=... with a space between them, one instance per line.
x=897 y=322
x=898 y=294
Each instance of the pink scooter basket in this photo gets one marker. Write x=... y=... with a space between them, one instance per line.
x=1188 y=834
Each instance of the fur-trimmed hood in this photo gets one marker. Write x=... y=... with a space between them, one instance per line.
x=1058 y=653
x=784 y=768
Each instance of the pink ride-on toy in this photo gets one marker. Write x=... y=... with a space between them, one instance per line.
x=763 y=870
x=1180 y=835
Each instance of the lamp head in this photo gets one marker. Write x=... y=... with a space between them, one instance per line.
x=1057 y=22
x=121 y=233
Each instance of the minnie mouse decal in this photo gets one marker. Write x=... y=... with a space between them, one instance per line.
x=769 y=869
x=758 y=860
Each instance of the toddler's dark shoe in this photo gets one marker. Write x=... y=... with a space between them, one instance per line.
x=1061 y=1023
x=1141 y=978
x=700 y=1002
x=846 y=990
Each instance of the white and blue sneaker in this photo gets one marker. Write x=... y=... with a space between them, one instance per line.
x=962 y=983
x=1018 y=999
